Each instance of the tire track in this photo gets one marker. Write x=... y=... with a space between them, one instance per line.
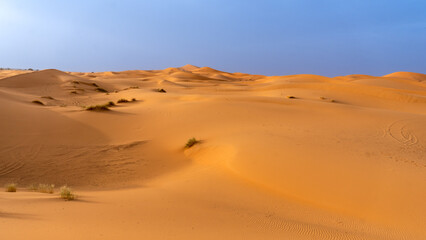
x=399 y=131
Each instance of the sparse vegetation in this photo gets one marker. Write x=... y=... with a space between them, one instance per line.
x=98 y=108
x=133 y=87
x=110 y=104
x=11 y=187
x=76 y=82
x=191 y=142
x=161 y=90
x=327 y=99
x=122 y=100
x=38 y=102
x=66 y=193
x=73 y=92
x=96 y=85
x=43 y=188
x=133 y=99
x=291 y=97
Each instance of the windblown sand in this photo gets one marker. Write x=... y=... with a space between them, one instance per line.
x=283 y=157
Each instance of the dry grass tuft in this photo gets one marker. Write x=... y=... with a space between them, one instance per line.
x=161 y=90
x=133 y=87
x=123 y=100
x=66 y=193
x=11 y=187
x=98 y=108
x=291 y=97
x=191 y=142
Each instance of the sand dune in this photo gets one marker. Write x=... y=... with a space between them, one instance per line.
x=282 y=157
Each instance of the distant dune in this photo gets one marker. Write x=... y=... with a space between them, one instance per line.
x=279 y=157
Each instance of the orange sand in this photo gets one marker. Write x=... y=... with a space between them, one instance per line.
x=344 y=159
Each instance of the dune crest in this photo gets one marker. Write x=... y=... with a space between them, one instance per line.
x=408 y=75
x=189 y=68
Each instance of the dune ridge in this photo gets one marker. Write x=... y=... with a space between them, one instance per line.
x=279 y=157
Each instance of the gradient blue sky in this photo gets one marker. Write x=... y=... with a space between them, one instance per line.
x=271 y=37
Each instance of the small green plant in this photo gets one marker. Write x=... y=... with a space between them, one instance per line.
x=66 y=193
x=191 y=142
x=99 y=108
x=101 y=90
x=38 y=102
x=122 y=100
x=11 y=187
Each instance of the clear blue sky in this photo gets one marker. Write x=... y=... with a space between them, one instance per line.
x=271 y=37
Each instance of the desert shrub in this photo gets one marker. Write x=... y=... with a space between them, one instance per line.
x=76 y=82
x=96 y=85
x=161 y=90
x=38 y=102
x=191 y=142
x=133 y=99
x=122 y=100
x=73 y=92
x=101 y=90
x=11 y=187
x=291 y=97
x=99 y=108
x=66 y=193
x=110 y=104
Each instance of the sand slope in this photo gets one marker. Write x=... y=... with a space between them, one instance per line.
x=283 y=157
